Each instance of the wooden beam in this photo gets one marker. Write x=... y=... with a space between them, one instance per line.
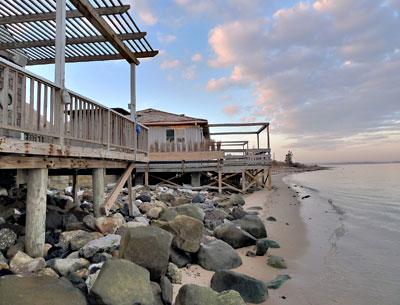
x=69 y=41
x=232 y=133
x=47 y=61
x=238 y=124
x=104 y=28
x=52 y=15
x=117 y=189
x=98 y=190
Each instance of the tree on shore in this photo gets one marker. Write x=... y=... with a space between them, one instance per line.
x=289 y=158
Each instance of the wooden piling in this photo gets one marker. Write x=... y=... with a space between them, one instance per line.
x=36 y=212
x=98 y=190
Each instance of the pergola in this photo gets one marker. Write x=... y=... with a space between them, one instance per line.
x=60 y=31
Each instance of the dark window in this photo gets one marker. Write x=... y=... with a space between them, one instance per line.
x=170 y=135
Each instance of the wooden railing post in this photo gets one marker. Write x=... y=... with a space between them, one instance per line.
x=108 y=128
x=4 y=95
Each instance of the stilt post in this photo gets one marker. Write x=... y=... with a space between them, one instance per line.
x=146 y=177
x=98 y=190
x=130 y=197
x=36 y=212
x=219 y=180
x=243 y=181
x=75 y=187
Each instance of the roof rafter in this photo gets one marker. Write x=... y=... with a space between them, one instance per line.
x=69 y=41
x=4 y=20
x=104 y=28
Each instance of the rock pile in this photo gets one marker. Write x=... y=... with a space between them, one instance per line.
x=134 y=255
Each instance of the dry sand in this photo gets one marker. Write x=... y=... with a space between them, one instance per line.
x=289 y=230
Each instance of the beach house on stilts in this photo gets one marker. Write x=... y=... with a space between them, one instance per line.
x=46 y=129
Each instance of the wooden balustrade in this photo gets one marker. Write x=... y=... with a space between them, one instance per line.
x=30 y=111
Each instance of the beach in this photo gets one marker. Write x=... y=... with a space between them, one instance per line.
x=289 y=231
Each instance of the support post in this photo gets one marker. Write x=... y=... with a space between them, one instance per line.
x=75 y=187
x=195 y=179
x=98 y=190
x=269 y=180
x=21 y=178
x=219 y=180
x=146 y=177
x=36 y=212
x=243 y=181
x=268 y=143
x=132 y=106
x=130 y=197
x=258 y=141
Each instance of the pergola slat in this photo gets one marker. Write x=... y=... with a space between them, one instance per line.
x=52 y=15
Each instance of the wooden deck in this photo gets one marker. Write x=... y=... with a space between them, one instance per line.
x=38 y=120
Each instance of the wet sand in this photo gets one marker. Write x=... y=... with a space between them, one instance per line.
x=289 y=231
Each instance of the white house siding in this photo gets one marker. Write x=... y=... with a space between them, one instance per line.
x=193 y=134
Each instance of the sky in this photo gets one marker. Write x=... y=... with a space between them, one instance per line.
x=324 y=73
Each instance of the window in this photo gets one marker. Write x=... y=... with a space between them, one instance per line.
x=170 y=135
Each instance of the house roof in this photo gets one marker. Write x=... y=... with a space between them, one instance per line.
x=156 y=117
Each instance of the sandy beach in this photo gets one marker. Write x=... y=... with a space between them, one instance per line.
x=289 y=230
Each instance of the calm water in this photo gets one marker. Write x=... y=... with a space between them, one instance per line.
x=353 y=227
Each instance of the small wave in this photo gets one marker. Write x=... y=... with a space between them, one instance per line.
x=336 y=208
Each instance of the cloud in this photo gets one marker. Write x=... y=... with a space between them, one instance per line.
x=189 y=72
x=170 y=64
x=231 y=109
x=144 y=11
x=166 y=38
x=316 y=69
x=197 y=57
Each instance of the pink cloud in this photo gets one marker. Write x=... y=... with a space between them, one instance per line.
x=170 y=64
x=231 y=109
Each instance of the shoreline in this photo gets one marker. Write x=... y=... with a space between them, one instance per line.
x=289 y=231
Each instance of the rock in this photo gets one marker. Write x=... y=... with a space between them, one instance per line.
x=179 y=258
x=77 y=239
x=65 y=266
x=277 y=281
x=174 y=274
x=218 y=255
x=199 y=198
x=148 y=247
x=168 y=214
x=305 y=197
x=38 y=290
x=105 y=244
x=250 y=253
x=130 y=224
x=214 y=218
x=90 y=222
x=109 y=225
x=276 y=262
x=87 y=195
x=135 y=210
x=144 y=197
x=3 y=262
x=3 y=192
x=142 y=220
x=54 y=220
x=190 y=210
x=191 y=294
x=179 y=200
x=166 y=197
x=271 y=218
x=7 y=239
x=236 y=200
x=154 y=213
x=234 y=236
x=19 y=246
x=251 y=289
x=253 y=225
x=273 y=244
x=23 y=263
x=262 y=246
x=230 y=297
x=47 y=272
x=238 y=213
x=156 y=290
x=121 y=282
x=166 y=290
x=187 y=232
x=145 y=207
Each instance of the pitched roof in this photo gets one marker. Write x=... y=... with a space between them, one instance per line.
x=152 y=116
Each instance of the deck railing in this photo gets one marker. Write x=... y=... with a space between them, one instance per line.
x=31 y=109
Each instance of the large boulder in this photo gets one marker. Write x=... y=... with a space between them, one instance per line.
x=234 y=236
x=276 y=262
x=22 y=263
x=121 y=282
x=187 y=232
x=77 y=239
x=191 y=294
x=253 y=225
x=109 y=225
x=166 y=290
x=41 y=290
x=214 y=217
x=236 y=200
x=104 y=244
x=190 y=210
x=179 y=257
x=251 y=289
x=262 y=247
x=7 y=239
x=148 y=247
x=65 y=266
x=218 y=255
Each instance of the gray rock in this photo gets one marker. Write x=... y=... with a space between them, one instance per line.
x=22 y=263
x=238 y=213
x=148 y=247
x=236 y=200
x=278 y=281
x=187 y=232
x=77 y=239
x=253 y=225
x=121 y=282
x=262 y=246
x=41 y=290
x=174 y=274
x=157 y=294
x=7 y=239
x=65 y=266
x=168 y=214
x=179 y=257
x=90 y=222
x=271 y=218
x=218 y=255
x=214 y=218
x=234 y=236
x=230 y=297
x=199 y=198
x=276 y=262
x=166 y=197
x=251 y=289
x=144 y=197
x=105 y=244
x=190 y=210
x=166 y=290
x=273 y=244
